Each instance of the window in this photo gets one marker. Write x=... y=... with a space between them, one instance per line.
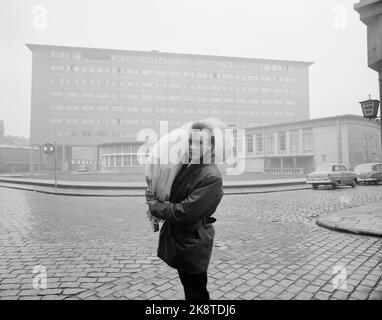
x=87 y=95
x=270 y=143
x=249 y=143
x=160 y=97
x=57 y=67
x=87 y=108
x=307 y=135
x=291 y=68
x=265 y=78
x=259 y=143
x=281 y=142
x=277 y=67
x=266 y=66
x=294 y=141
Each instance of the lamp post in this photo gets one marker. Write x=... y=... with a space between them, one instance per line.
x=370 y=13
x=370 y=111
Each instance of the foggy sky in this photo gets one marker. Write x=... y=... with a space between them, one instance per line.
x=326 y=32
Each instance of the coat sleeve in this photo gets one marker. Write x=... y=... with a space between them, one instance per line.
x=203 y=199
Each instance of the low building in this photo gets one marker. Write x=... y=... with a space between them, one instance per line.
x=299 y=147
x=18 y=159
x=119 y=157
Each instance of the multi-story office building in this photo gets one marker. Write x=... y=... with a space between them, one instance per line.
x=85 y=97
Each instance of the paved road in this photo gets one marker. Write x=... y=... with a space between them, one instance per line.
x=267 y=247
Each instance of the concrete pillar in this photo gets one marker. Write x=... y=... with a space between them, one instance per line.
x=281 y=163
x=287 y=142
x=294 y=162
x=31 y=158
x=97 y=164
x=275 y=142
x=63 y=158
x=339 y=140
x=69 y=157
x=40 y=158
x=301 y=141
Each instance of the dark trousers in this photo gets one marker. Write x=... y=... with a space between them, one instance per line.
x=195 y=285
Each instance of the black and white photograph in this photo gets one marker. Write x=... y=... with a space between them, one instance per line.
x=190 y=155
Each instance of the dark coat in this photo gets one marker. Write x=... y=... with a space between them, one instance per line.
x=187 y=235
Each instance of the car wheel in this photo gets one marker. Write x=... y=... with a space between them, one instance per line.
x=353 y=184
x=336 y=185
x=315 y=186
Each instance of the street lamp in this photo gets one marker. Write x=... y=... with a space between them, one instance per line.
x=370 y=111
x=370 y=108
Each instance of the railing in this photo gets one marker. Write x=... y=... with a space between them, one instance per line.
x=285 y=171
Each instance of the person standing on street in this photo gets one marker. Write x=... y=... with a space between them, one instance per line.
x=187 y=234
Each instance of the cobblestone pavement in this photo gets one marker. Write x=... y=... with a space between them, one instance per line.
x=267 y=246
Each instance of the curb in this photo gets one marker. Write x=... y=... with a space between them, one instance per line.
x=72 y=194
x=361 y=232
x=69 y=186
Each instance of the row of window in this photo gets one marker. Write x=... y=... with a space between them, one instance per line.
x=86 y=133
x=119 y=149
x=120 y=161
x=82 y=161
x=165 y=85
x=157 y=59
x=171 y=73
x=148 y=97
x=299 y=141
x=109 y=121
x=130 y=109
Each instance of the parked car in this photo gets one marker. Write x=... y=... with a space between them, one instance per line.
x=82 y=168
x=369 y=172
x=334 y=174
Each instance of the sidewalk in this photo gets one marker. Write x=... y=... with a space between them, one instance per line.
x=110 y=192
x=365 y=220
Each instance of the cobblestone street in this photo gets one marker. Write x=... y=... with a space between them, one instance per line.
x=267 y=246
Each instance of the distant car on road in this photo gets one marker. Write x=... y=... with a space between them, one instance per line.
x=83 y=168
x=369 y=172
x=334 y=174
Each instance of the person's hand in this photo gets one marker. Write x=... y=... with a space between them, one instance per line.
x=158 y=208
x=149 y=195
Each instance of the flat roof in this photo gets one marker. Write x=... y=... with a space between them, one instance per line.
x=345 y=116
x=32 y=46
x=11 y=146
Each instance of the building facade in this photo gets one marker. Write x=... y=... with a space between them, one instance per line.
x=85 y=97
x=299 y=147
x=2 y=130
x=18 y=159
